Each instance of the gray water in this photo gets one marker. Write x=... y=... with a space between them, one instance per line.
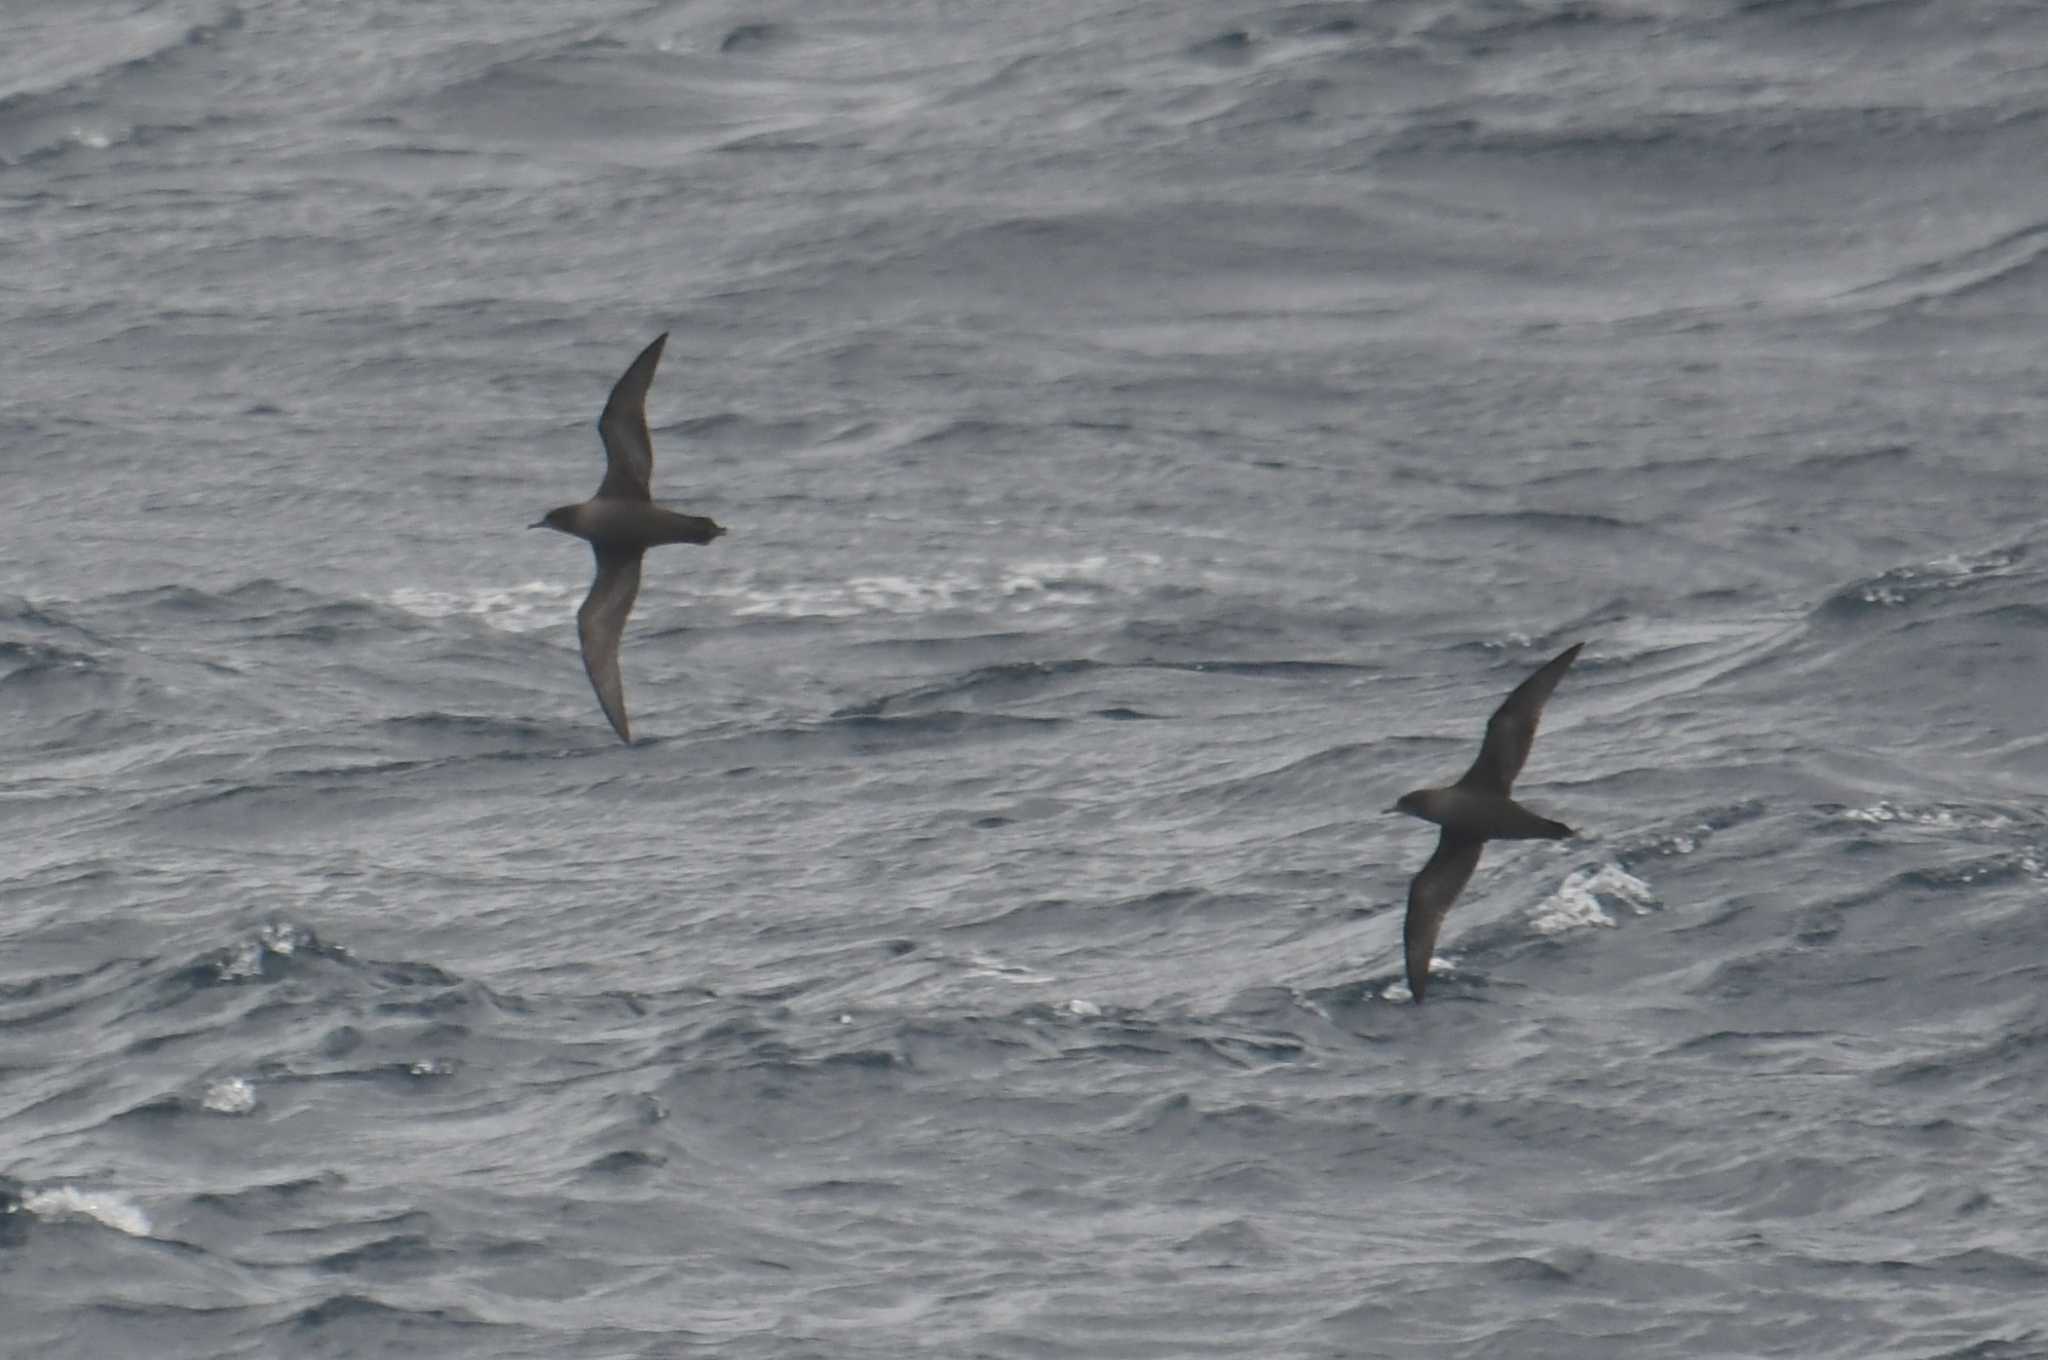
x=1152 y=437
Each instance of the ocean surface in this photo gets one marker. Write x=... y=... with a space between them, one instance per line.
x=1152 y=437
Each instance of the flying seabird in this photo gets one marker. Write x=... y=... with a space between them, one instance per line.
x=620 y=523
x=1476 y=810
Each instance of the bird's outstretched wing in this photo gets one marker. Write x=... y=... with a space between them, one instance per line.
x=1512 y=728
x=598 y=625
x=1430 y=895
x=628 y=452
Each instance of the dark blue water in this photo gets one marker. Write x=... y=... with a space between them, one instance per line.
x=1152 y=437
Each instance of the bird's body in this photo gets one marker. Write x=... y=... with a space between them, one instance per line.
x=621 y=522
x=1488 y=816
x=634 y=526
x=1474 y=810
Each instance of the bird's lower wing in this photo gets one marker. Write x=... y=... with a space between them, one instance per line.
x=599 y=624
x=1430 y=895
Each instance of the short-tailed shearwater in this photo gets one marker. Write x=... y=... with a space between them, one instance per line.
x=620 y=523
x=1476 y=810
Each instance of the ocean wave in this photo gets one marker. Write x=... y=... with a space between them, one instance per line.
x=53 y=625
x=34 y=662
x=998 y=680
x=1696 y=830
x=487 y=736
x=881 y=734
x=1023 y=587
x=282 y=949
x=1555 y=521
x=229 y=1095
x=71 y=53
x=525 y=608
x=104 y=1207
x=1588 y=897
x=2012 y=267
x=646 y=89
x=1976 y=872
x=1944 y=817
x=82 y=82
x=1914 y=585
x=362 y=1323
x=274 y=607
x=1334 y=776
x=269 y=1197
x=1005 y=682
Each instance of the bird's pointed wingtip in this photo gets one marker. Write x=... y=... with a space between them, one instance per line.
x=650 y=354
x=647 y=358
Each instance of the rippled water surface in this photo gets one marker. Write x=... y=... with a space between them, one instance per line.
x=1152 y=437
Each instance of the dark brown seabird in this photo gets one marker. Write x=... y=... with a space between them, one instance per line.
x=1476 y=810
x=620 y=523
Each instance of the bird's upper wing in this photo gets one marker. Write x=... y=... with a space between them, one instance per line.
x=1512 y=728
x=598 y=625
x=1430 y=895
x=628 y=452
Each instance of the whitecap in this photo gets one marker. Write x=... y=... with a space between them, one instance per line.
x=246 y=958
x=984 y=965
x=1020 y=587
x=103 y=1207
x=231 y=1095
x=239 y=961
x=1931 y=815
x=513 y=609
x=1440 y=965
x=283 y=937
x=855 y=596
x=1583 y=899
x=1901 y=585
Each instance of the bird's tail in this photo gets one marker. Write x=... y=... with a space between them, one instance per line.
x=1520 y=824
x=681 y=528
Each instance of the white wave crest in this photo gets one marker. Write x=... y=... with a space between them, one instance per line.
x=1018 y=587
x=1901 y=585
x=1583 y=899
x=514 y=609
x=103 y=1207
x=1932 y=815
x=231 y=1095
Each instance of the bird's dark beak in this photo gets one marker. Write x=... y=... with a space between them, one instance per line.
x=538 y=524
x=1395 y=808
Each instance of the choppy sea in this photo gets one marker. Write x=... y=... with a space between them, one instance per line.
x=1152 y=436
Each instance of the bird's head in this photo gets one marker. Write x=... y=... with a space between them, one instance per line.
x=562 y=519
x=1415 y=803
